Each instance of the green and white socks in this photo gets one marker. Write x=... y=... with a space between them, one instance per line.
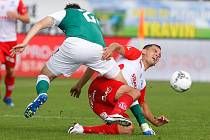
x=42 y=84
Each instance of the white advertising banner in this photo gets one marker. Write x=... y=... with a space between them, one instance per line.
x=192 y=56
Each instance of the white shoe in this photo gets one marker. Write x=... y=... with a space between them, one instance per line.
x=118 y=119
x=147 y=130
x=76 y=129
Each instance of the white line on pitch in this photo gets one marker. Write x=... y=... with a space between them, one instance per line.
x=48 y=117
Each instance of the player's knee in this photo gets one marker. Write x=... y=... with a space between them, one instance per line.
x=134 y=93
x=10 y=72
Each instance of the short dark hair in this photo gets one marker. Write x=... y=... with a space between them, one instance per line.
x=150 y=45
x=72 y=5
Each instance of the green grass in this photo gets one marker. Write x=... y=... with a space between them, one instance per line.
x=202 y=33
x=189 y=113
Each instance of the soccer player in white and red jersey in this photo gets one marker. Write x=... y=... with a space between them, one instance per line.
x=107 y=97
x=10 y=12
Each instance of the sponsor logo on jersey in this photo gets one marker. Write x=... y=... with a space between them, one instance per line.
x=92 y=98
x=108 y=90
x=133 y=80
x=122 y=105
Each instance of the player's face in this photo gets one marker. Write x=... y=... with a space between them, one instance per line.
x=152 y=55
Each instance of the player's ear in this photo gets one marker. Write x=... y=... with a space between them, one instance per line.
x=144 y=51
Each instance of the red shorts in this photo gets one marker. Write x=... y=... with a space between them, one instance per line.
x=5 y=57
x=101 y=95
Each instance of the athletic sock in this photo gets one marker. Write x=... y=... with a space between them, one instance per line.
x=137 y=112
x=101 y=129
x=9 y=83
x=42 y=84
x=122 y=104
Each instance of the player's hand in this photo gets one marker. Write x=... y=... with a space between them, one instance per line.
x=75 y=91
x=12 y=15
x=107 y=54
x=161 y=120
x=17 y=49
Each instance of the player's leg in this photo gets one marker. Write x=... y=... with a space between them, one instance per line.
x=9 y=84
x=42 y=86
x=113 y=129
x=122 y=100
x=2 y=60
x=58 y=64
x=101 y=107
x=10 y=72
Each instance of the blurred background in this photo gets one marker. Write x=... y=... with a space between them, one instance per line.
x=182 y=28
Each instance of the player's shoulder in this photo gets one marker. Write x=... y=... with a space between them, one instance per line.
x=132 y=53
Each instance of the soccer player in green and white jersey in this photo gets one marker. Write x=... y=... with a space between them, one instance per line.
x=84 y=44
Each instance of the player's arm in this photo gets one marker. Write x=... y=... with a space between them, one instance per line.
x=76 y=90
x=128 y=52
x=147 y=113
x=43 y=23
x=157 y=121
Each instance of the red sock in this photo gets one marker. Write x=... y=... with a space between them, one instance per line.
x=9 y=82
x=101 y=129
x=123 y=103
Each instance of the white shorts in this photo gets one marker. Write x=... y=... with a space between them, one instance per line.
x=75 y=52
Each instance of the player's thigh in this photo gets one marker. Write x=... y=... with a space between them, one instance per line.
x=5 y=57
x=90 y=54
x=10 y=63
x=107 y=68
x=61 y=64
x=125 y=89
x=104 y=90
x=81 y=51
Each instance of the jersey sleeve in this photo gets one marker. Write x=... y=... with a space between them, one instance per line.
x=142 y=96
x=58 y=17
x=22 y=10
x=131 y=53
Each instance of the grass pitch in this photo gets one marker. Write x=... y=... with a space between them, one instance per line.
x=189 y=113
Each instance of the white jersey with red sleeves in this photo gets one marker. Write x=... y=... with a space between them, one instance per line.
x=132 y=69
x=8 y=26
